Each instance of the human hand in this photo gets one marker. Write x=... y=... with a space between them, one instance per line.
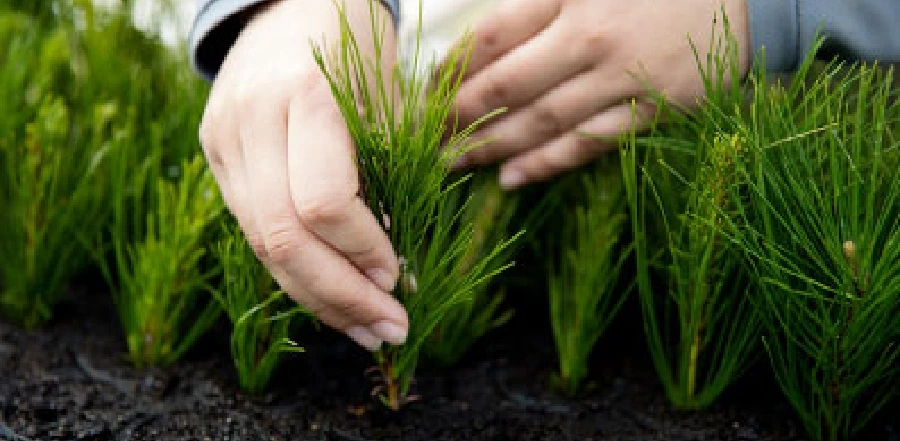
x=280 y=151
x=564 y=68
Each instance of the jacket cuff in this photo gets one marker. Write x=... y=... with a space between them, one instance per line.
x=774 y=29
x=217 y=25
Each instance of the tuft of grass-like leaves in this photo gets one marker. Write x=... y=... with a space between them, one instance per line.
x=699 y=324
x=158 y=274
x=584 y=275
x=819 y=227
x=491 y=213
x=73 y=104
x=261 y=314
x=47 y=185
x=399 y=126
x=798 y=181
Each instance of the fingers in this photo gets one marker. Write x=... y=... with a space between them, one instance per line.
x=324 y=186
x=522 y=75
x=575 y=148
x=510 y=24
x=549 y=117
x=310 y=271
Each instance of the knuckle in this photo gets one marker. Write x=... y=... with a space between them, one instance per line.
x=464 y=112
x=258 y=245
x=310 y=82
x=592 y=44
x=540 y=164
x=316 y=308
x=479 y=156
x=349 y=307
x=495 y=92
x=489 y=36
x=280 y=243
x=325 y=210
x=309 y=88
x=367 y=252
x=546 y=121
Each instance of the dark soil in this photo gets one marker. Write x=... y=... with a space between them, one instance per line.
x=71 y=381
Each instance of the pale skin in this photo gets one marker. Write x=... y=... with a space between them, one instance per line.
x=280 y=150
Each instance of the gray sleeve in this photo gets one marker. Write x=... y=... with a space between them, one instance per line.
x=217 y=25
x=867 y=30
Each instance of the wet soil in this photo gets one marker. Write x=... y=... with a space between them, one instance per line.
x=71 y=381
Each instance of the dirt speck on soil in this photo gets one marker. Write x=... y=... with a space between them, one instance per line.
x=71 y=381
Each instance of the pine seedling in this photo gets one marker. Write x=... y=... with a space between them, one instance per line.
x=820 y=229
x=157 y=276
x=491 y=213
x=48 y=172
x=261 y=314
x=584 y=275
x=79 y=85
x=398 y=125
x=700 y=328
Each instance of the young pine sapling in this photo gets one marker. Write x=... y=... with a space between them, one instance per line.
x=584 y=274
x=700 y=328
x=261 y=314
x=819 y=227
x=159 y=230
x=49 y=170
x=399 y=127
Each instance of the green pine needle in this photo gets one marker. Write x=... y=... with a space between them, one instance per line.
x=583 y=277
x=158 y=276
x=700 y=328
x=399 y=126
x=820 y=229
x=262 y=316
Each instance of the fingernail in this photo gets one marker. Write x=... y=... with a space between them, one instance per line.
x=390 y=332
x=364 y=337
x=382 y=279
x=511 y=179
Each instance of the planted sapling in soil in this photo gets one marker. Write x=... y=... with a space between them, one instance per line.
x=260 y=313
x=49 y=168
x=159 y=276
x=680 y=180
x=399 y=127
x=584 y=271
x=75 y=106
x=819 y=227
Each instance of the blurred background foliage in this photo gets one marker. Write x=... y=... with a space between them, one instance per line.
x=95 y=110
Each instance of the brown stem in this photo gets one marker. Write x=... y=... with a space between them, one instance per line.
x=391 y=384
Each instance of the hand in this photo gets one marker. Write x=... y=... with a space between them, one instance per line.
x=280 y=151
x=563 y=68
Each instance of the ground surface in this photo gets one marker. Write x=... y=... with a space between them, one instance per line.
x=70 y=381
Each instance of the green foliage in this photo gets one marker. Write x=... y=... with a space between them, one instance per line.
x=46 y=177
x=584 y=273
x=81 y=93
x=261 y=314
x=50 y=161
x=159 y=280
x=491 y=213
x=700 y=327
x=398 y=126
x=820 y=229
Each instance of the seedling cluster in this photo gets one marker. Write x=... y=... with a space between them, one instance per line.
x=771 y=210
x=399 y=127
